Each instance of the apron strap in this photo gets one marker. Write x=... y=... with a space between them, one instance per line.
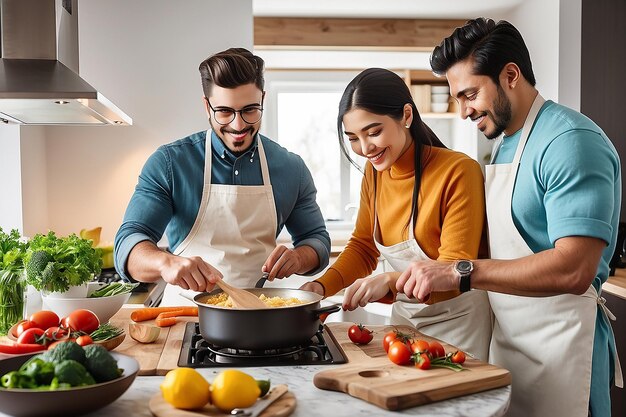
x=619 y=378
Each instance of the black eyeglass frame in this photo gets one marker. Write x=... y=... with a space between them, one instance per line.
x=234 y=112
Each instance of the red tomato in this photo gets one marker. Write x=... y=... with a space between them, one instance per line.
x=45 y=319
x=55 y=333
x=25 y=325
x=30 y=336
x=422 y=361
x=419 y=346
x=399 y=353
x=84 y=340
x=64 y=323
x=458 y=357
x=83 y=321
x=389 y=339
x=360 y=335
x=436 y=349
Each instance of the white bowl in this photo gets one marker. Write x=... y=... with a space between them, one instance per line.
x=440 y=98
x=440 y=89
x=103 y=307
x=439 y=107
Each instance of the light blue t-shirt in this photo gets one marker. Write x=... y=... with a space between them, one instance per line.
x=569 y=184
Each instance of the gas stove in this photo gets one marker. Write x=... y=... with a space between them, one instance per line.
x=198 y=353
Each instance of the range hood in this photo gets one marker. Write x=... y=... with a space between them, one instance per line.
x=39 y=78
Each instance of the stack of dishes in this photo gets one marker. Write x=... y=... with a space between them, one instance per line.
x=439 y=98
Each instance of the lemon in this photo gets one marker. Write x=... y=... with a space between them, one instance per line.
x=185 y=388
x=234 y=389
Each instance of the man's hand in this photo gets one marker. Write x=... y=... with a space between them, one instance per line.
x=313 y=286
x=425 y=277
x=366 y=290
x=190 y=273
x=283 y=262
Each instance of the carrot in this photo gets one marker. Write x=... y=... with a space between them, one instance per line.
x=168 y=318
x=149 y=313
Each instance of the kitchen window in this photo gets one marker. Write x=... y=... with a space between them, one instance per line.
x=302 y=117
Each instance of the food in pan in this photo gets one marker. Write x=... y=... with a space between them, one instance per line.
x=223 y=300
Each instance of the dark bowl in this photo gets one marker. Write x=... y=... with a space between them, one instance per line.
x=65 y=402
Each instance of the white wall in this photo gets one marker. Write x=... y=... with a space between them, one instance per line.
x=538 y=22
x=143 y=55
x=11 y=174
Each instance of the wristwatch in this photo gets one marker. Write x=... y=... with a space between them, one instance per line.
x=464 y=268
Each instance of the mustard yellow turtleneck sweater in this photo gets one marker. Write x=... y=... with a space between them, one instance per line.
x=450 y=220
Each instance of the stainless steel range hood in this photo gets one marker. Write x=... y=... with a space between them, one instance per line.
x=39 y=78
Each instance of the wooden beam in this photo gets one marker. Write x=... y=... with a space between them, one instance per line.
x=416 y=34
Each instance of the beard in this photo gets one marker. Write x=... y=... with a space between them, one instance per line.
x=237 y=147
x=501 y=115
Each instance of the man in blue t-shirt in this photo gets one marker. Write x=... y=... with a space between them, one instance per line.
x=222 y=196
x=553 y=195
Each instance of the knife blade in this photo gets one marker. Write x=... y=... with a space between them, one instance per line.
x=261 y=404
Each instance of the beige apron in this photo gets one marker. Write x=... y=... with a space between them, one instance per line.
x=546 y=342
x=235 y=230
x=463 y=321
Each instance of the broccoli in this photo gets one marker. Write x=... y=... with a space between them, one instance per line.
x=37 y=263
x=63 y=351
x=101 y=364
x=73 y=373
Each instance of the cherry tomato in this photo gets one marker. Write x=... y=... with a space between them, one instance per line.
x=436 y=350
x=24 y=325
x=458 y=357
x=389 y=339
x=45 y=319
x=422 y=361
x=55 y=333
x=419 y=346
x=399 y=353
x=30 y=336
x=84 y=340
x=83 y=321
x=360 y=335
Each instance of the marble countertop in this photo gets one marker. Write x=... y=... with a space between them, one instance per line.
x=314 y=401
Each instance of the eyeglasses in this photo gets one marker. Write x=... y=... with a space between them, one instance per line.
x=224 y=115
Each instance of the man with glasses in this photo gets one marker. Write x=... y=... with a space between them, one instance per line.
x=222 y=196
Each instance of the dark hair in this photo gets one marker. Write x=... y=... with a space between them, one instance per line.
x=382 y=92
x=491 y=45
x=231 y=68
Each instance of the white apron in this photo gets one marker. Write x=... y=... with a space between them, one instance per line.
x=546 y=342
x=235 y=230
x=463 y=321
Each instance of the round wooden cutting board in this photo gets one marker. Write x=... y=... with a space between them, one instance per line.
x=282 y=407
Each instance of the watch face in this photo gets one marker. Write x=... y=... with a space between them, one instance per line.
x=464 y=267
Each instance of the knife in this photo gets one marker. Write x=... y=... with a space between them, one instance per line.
x=262 y=403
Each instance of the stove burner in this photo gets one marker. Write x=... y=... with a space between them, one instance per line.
x=198 y=353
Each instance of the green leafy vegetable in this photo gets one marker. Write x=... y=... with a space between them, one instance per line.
x=56 y=263
x=114 y=288
x=105 y=332
x=12 y=252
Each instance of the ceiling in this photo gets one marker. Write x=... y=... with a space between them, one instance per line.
x=409 y=9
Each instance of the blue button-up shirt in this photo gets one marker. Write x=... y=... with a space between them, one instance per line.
x=168 y=193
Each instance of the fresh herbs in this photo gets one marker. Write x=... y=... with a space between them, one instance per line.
x=55 y=263
x=105 y=332
x=12 y=251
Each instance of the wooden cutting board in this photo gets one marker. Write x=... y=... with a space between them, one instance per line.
x=282 y=407
x=372 y=377
x=155 y=358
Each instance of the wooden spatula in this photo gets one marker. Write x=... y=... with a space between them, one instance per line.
x=240 y=297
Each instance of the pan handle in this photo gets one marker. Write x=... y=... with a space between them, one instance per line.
x=323 y=312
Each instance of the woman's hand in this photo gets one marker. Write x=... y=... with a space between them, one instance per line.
x=366 y=290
